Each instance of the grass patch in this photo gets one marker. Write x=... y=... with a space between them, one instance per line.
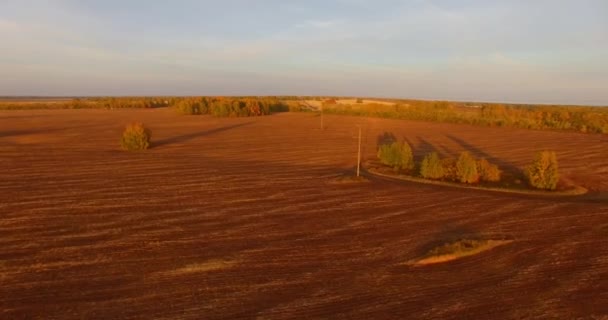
x=458 y=249
x=348 y=179
x=210 y=265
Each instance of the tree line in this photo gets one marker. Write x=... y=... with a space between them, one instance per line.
x=231 y=106
x=217 y=106
x=540 y=117
x=542 y=173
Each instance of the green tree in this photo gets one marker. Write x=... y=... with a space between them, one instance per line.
x=543 y=172
x=449 y=169
x=466 y=168
x=397 y=155
x=188 y=106
x=432 y=167
x=487 y=171
x=135 y=137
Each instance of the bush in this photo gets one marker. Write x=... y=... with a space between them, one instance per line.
x=487 y=171
x=466 y=168
x=432 y=167
x=135 y=137
x=543 y=172
x=397 y=155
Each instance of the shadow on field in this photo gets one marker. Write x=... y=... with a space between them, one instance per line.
x=13 y=133
x=475 y=151
x=424 y=148
x=385 y=138
x=28 y=116
x=190 y=136
x=448 y=235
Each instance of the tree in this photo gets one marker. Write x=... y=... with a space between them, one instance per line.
x=135 y=137
x=449 y=169
x=466 y=168
x=487 y=171
x=188 y=106
x=397 y=155
x=543 y=172
x=432 y=167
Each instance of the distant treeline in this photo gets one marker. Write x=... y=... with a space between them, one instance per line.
x=217 y=106
x=553 y=117
x=231 y=106
x=86 y=103
x=572 y=118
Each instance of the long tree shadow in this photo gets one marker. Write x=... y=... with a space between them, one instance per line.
x=13 y=133
x=190 y=136
x=504 y=165
x=29 y=116
x=416 y=152
x=385 y=138
x=424 y=147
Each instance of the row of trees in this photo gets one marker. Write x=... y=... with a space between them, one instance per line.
x=230 y=106
x=87 y=103
x=465 y=169
x=572 y=118
x=541 y=174
x=218 y=106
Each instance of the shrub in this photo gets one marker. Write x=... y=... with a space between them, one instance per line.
x=487 y=171
x=432 y=167
x=466 y=168
x=135 y=137
x=397 y=155
x=543 y=172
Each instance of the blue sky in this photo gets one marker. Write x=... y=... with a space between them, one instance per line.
x=546 y=51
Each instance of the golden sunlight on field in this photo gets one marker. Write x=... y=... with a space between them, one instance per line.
x=231 y=218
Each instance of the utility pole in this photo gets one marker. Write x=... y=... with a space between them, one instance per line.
x=322 y=128
x=359 y=154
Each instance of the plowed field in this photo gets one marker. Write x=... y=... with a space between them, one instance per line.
x=234 y=218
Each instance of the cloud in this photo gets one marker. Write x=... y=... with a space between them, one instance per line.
x=319 y=24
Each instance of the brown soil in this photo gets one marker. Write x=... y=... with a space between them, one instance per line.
x=234 y=218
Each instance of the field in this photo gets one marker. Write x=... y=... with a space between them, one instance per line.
x=230 y=218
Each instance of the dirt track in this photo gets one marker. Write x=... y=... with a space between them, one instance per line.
x=234 y=218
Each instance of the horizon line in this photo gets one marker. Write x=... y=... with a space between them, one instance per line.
x=305 y=95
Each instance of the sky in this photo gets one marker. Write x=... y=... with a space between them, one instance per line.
x=534 y=51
